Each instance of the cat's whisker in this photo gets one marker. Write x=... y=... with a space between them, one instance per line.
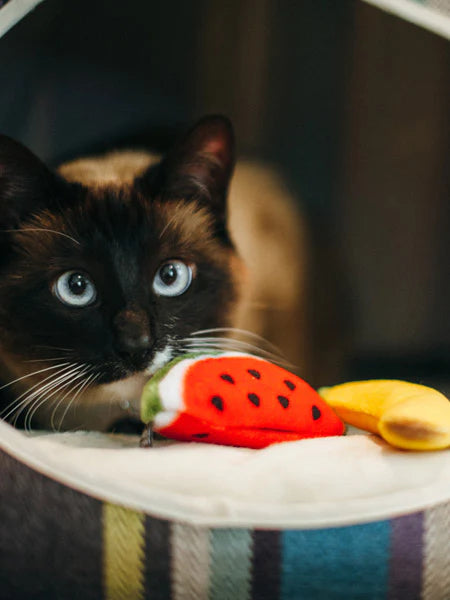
x=230 y=345
x=34 y=405
x=16 y=401
x=43 y=359
x=56 y=348
x=60 y=401
x=232 y=330
x=93 y=380
x=79 y=386
x=34 y=397
x=34 y=402
x=29 y=401
x=84 y=425
x=43 y=397
x=84 y=385
x=30 y=395
x=45 y=383
x=31 y=374
x=231 y=342
x=33 y=229
x=242 y=332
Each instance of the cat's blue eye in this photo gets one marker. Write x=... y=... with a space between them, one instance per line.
x=173 y=278
x=75 y=289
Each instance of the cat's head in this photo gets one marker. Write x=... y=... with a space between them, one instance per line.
x=109 y=280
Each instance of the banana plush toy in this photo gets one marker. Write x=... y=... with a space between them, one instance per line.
x=406 y=415
x=243 y=400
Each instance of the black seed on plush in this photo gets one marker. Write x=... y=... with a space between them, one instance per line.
x=200 y=435
x=254 y=399
x=227 y=377
x=289 y=384
x=283 y=401
x=316 y=413
x=217 y=402
x=255 y=373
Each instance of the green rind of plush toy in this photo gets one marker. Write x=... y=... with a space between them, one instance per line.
x=150 y=401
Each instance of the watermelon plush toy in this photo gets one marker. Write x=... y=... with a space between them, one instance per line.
x=234 y=400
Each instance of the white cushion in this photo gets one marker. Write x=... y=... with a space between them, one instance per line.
x=311 y=483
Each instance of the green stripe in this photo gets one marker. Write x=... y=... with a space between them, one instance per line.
x=231 y=558
x=123 y=553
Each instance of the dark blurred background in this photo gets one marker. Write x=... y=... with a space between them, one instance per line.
x=351 y=104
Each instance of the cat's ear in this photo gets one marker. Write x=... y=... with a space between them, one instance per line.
x=26 y=185
x=200 y=165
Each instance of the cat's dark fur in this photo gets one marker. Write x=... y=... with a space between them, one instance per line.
x=119 y=236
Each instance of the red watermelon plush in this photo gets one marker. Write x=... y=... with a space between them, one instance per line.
x=234 y=400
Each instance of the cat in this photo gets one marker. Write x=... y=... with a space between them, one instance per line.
x=113 y=265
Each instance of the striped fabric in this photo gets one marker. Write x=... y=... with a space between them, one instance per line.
x=56 y=543
x=404 y=558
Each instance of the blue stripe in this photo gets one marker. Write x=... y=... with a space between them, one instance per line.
x=347 y=563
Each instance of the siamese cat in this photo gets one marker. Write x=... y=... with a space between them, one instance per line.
x=113 y=265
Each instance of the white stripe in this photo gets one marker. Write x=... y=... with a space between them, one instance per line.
x=436 y=576
x=190 y=562
x=163 y=419
x=170 y=388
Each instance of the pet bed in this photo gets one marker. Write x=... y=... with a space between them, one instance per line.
x=12 y=11
x=430 y=14
x=88 y=515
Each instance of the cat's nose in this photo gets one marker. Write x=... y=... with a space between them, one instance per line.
x=133 y=337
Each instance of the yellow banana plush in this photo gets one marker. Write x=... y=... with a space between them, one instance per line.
x=406 y=415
